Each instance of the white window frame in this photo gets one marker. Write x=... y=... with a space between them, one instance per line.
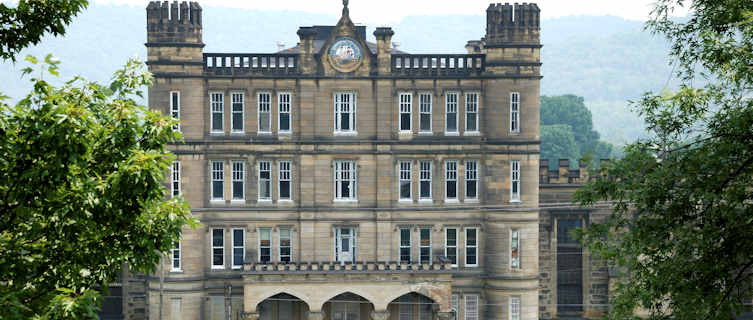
x=425 y=175
x=515 y=180
x=264 y=165
x=471 y=312
x=468 y=105
x=242 y=247
x=353 y=234
x=455 y=304
x=448 y=177
x=280 y=246
x=422 y=246
x=449 y=107
x=405 y=174
x=284 y=106
x=217 y=107
x=447 y=245
x=175 y=109
x=175 y=179
x=218 y=175
x=176 y=250
x=467 y=246
x=515 y=112
x=237 y=98
x=401 y=246
x=352 y=178
x=338 y=112
x=515 y=260
x=238 y=176
x=220 y=247
x=471 y=174
x=260 y=247
x=515 y=308
x=284 y=173
x=260 y=105
x=405 y=106
x=425 y=108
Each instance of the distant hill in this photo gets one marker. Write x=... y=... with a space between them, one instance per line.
x=606 y=59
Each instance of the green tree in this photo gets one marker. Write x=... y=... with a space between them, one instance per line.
x=682 y=199
x=29 y=20
x=82 y=192
x=558 y=142
x=570 y=110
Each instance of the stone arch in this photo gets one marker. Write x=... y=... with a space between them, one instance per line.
x=300 y=296
x=438 y=293
x=361 y=293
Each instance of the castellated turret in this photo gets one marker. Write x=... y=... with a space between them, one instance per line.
x=173 y=22
x=512 y=24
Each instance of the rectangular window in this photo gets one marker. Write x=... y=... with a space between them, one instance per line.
x=515 y=249
x=424 y=249
x=265 y=180
x=345 y=244
x=515 y=308
x=218 y=180
x=471 y=307
x=405 y=245
x=471 y=247
x=175 y=179
x=424 y=101
x=237 y=112
x=515 y=181
x=471 y=112
x=175 y=108
x=283 y=100
x=471 y=180
x=176 y=256
x=265 y=245
x=451 y=180
x=345 y=180
x=451 y=113
x=405 y=180
x=218 y=248
x=284 y=177
x=265 y=117
x=239 y=174
x=451 y=245
x=217 y=101
x=515 y=112
x=239 y=248
x=285 y=245
x=455 y=303
x=406 y=104
x=424 y=180
x=175 y=312
x=345 y=112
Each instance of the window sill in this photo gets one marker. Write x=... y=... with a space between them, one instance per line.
x=238 y=201
x=345 y=200
x=425 y=133
x=471 y=266
x=471 y=200
x=176 y=270
x=286 y=201
x=345 y=133
x=425 y=200
x=264 y=201
x=264 y=133
x=218 y=268
x=405 y=132
x=217 y=133
x=217 y=201
x=237 y=133
x=472 y=133
x=452 y=133
x=515 y=133
x=236 y=268
x=451 y=201
x=284 y=133
x=515 y=201
x=405 y=201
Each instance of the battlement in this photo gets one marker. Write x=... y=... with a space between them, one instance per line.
x=563 y=174
x=512 y=24
x=173 y=22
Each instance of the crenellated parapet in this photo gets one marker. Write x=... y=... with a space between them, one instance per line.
x=512 y=24
x=563 y=174
x=174 y=23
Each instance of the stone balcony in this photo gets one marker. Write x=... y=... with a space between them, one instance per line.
x=337 y=267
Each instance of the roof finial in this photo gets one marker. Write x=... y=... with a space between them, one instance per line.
x=345 y=9
x=345 y=3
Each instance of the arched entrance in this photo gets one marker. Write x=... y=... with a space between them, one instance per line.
x=283 y=306
x=348 y=306
x=412 y=306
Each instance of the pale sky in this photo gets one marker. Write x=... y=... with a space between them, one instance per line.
x=389 y=11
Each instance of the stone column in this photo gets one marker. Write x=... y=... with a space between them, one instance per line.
x=380 y=315
x=316 y=315
x=384 y=52
x=250 y=316
x=306 y=50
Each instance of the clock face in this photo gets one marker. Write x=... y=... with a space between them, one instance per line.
x=345 y=54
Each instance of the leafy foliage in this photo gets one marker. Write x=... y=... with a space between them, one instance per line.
x=565 y=118
x=682 y=198
x=31 y=19
x=81 y=192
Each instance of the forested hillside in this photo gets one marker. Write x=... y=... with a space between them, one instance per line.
x=606 y=60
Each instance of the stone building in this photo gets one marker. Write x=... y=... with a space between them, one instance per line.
x=342 y=179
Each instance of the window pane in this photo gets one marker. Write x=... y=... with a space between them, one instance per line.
x=284 y=189
x=452 y=122
x=217 y=237
x=237 y=256
x=470 y=121
x=425 y=122
x=264 y=121
x=237 y=121
x=217 y=121
x=425 y=189
x=237 y=238
x=470 y=189
x=345 y=121
x=237 y=190
x=217 y=190
x=284 y=122
x=452 y=189
x=405 y=190
x=405 y=121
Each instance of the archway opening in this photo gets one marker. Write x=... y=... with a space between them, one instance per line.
x=283 y=306
x=348 y=306
x=412 y=306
